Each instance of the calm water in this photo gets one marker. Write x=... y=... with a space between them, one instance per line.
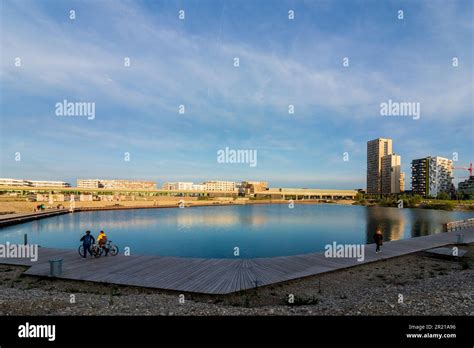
x=258 y=230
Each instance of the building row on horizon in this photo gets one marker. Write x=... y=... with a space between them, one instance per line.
x=430 y=175
x=244 y=187
x=33 y=183
x=116 y=184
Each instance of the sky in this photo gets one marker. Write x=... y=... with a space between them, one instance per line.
x=138 y=132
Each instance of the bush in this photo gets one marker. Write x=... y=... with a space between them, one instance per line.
x=443 y=196
x=440 y=206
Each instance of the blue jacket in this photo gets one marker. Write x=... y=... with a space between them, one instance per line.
x=88 y=239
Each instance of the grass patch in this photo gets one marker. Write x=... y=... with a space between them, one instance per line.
x=115 y=292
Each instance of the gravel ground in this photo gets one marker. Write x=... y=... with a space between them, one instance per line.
x=429 y=286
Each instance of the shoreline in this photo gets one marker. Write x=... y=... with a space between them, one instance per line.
x=9 y=208
x=427 y=205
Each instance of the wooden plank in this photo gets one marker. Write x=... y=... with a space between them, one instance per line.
x=217 y=276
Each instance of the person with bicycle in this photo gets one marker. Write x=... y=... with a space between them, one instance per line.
x=102 y=241
x=87 y=240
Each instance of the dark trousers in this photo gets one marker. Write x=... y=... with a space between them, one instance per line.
x=378 y=247
x=87 y=248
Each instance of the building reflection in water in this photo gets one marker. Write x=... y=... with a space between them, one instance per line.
x=425 y=222
x=390 y=220
x=222 y=218
x=188 y=219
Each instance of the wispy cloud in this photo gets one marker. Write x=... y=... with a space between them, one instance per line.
x=137 y=107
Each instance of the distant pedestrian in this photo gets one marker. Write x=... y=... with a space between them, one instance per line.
x=87 y=241
x=378 y=238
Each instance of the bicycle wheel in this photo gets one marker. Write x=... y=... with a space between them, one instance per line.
x=114 y=250
x=96 y=251
x=80 y=250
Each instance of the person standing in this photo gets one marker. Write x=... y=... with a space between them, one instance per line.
x=378 y=238
x=102 y=240
x=87 y=241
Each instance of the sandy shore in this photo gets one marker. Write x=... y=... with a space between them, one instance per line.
x=28 y=207
x=428 y=285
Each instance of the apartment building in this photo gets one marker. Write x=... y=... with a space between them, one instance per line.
x=467 y=186
x=250 y=187
x=431 y=175
x=116 y=184
x=45 y=183
x=129 y=184
x=178 y=186
x=376 y=150
x=89 y=183
x=33 y=183
x=13 y=182
x=220 y=186
x=198 y=187
x=390 y=174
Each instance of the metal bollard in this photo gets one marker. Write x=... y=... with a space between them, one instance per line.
x=55 y=267
x=460 y=238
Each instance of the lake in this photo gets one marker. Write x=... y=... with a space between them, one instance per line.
x=214 y=232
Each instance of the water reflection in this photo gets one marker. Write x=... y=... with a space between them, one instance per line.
x=258 y=230
x=425 y=222
x=188 y=220
x=391 y=221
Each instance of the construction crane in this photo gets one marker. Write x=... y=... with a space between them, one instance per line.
x=470 y=169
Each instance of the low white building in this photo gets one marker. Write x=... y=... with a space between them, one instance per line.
x=32 y=183
x=46 y=183
x=198 y=187
x=220 y=185
x=179 y=186
x=13 y=182
x=88 y=183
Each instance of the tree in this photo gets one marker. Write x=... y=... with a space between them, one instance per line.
x=443 y=196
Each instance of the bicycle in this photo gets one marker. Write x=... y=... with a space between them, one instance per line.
x=95 y=250
x=113 y=249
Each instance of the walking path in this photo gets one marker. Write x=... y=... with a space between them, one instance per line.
x=17 y=218
x=218 y=276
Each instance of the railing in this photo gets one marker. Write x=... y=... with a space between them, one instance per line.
x=458 y=225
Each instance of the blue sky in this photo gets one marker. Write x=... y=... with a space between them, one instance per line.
x=190 y=62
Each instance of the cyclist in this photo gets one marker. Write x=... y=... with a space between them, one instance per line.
x=102 y=241
x=87 y=240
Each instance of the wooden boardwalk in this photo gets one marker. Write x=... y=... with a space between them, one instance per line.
x=18 y=218
x=218 y=276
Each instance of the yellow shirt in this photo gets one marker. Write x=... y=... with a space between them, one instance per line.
x=101 y=236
